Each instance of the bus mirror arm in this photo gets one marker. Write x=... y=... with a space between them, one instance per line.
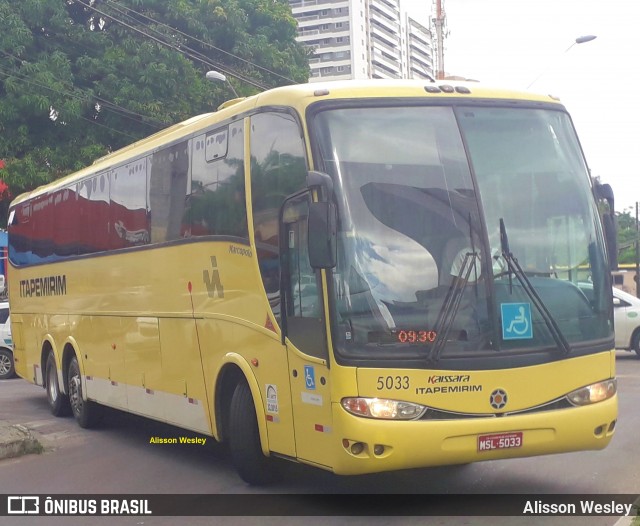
x=604 y=191
x=322 y=182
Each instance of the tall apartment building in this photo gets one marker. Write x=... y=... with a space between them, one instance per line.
x=358 y=39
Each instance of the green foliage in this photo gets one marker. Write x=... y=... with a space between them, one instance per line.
x=75 y=83
x=627 y=236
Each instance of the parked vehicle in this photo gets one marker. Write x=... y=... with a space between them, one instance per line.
x=626 y=316
x=7 y=369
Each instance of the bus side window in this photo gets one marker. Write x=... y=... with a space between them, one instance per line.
x=169 y=171
x=217 y=203
x=278 y=169
x=129 y=218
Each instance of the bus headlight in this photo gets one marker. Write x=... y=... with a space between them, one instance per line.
x=383 y=408
x=593 y=393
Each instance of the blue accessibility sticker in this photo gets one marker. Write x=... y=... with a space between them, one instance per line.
x=516 y=321
x=309 y=377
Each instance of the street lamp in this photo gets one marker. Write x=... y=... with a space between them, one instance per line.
x=579 y=40
x=216 y=75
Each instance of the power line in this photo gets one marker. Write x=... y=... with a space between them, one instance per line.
x=175 y=48
x=67 y=94
x=204 y=43
x=185 y=50
x=108 y=104
x=110 y=128
x=206 y=61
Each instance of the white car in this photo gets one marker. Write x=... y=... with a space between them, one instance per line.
x=7 y=370
x=626 y=318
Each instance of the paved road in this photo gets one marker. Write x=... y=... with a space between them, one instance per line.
x=118 y=458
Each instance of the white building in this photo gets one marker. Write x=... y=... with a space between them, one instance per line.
x=358 y=39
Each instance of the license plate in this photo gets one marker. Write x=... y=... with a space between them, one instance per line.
x=500 y=441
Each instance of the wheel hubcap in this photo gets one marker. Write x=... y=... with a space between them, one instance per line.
x=75 y=395
x=52 y=384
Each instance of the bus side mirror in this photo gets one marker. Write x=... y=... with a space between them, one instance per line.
x=604 y=192
x=322 y=235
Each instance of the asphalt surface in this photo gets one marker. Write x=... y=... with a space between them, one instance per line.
x=17 y=440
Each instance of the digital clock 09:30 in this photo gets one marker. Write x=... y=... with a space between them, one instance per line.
x=410 y=336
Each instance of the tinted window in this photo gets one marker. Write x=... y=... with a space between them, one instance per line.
x=278 y=169
x=216 y=204
x=169 y=169
x=129 y=218
x=93 y=196
x=20 y=229
x=66 y=222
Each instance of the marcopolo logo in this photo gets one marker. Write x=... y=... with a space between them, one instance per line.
x=498 y=399
x=212 y=280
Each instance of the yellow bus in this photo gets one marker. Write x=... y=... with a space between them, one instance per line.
x=359 y=276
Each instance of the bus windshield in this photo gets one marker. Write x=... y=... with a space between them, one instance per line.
x=422 y=192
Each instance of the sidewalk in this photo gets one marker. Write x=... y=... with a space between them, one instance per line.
x=17 y=440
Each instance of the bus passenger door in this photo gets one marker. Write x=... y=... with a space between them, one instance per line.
x=305 y=338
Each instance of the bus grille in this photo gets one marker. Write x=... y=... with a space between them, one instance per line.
x=439 y=414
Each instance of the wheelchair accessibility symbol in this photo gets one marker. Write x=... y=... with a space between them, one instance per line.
x=516 y=321
x=309 y=377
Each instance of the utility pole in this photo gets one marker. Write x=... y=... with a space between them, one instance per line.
x=439 y=22
x=637 y=276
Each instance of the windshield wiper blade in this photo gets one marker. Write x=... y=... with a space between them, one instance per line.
x=451 y=305
x=513 y=267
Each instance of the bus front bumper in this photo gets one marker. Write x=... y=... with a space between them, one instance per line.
x=369 y=446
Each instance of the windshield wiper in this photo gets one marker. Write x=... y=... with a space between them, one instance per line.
x=514 y=268
x=451 y=304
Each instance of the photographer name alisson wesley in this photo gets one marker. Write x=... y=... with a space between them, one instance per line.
x=583 y=507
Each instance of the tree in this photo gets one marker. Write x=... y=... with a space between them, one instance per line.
x=627 y=236
x=82 y=78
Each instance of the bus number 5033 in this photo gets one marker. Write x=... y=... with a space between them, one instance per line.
x=392 y=382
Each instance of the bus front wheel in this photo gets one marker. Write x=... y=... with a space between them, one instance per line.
x=244 y=440
x=58 y=401
x=87 y=413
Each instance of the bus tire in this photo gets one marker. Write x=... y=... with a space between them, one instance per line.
x=7 y=369
x=58 y=401
x=87 y=413
x=244 y=440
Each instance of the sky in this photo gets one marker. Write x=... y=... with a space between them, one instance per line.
x=522 y=43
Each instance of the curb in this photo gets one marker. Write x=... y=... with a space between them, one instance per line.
x=17 y=440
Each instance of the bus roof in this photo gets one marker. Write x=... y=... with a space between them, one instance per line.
x=297 y=96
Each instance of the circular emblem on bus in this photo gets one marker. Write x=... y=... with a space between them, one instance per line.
x=498 y=399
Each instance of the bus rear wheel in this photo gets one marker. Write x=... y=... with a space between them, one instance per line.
x=58 y=401
x=244 y=440
x=87 y=413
